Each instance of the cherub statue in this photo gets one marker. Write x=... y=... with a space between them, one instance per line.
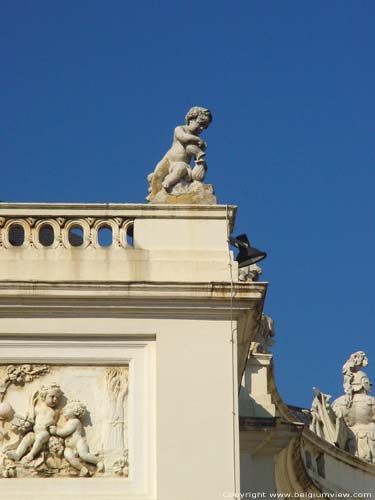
x=44 y=414
x=76 y=446
x=174 y=168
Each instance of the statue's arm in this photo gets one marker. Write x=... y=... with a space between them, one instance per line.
x=185 y=137
x=64 y=431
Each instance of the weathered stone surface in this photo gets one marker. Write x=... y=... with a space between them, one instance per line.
x=263 y=339
x=196 y=193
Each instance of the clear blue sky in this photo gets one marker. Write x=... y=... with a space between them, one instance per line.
x=90 y=94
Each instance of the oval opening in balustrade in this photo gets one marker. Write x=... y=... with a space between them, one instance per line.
x=75 y=236
x=105 y=236
x=46 y=235
x=129 y=235
x=16 y=235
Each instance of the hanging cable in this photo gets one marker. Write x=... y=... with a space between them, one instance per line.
x=233 y=335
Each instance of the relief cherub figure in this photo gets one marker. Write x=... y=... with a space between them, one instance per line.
x=76 y=446
x=44 y=414
x=175 y=167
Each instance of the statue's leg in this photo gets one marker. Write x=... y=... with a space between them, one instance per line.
x=40 y=440
x=75 y=462
x=157 y=177
x=83 y=452
x=24 y=445
x=177 y=172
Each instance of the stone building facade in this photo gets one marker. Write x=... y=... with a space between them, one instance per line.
x=139 y=366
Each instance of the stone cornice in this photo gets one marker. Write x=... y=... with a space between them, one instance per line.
x=241 y=303
x=138 y=300
x=240 y=290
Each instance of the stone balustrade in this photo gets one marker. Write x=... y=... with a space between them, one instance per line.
x=65 y=232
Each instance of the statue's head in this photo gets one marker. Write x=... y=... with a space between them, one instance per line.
x=50 y=394
x=361 y=383
x=359 y=358
x=356 y=360
x=6 y=412
x=200 y=117
x=56 y=445
x=74 y=409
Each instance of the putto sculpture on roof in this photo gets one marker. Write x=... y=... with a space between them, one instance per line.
x=174 y=180
x=350 y=422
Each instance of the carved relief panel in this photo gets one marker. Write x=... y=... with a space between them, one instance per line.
x=63 y=421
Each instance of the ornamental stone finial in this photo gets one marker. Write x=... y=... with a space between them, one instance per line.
x=174 y=180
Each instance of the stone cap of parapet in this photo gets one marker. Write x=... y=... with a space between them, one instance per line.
x=137 y=210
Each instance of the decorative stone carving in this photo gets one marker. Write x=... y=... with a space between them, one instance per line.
x=250 y=273
x=19 y=375
x=356 y=361
x=47 y=438
x=350 y=422
x=43 y=414
x=114 y=437
x=75 y=445
x=117 y=385
x=325 y=423
x=174 y=180
x=263 y=339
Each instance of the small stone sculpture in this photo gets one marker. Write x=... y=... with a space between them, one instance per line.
x=263 y=339
x=174 y=180
x=76 y=446
x=117 y=388
x=350 y=422
x=250 y=273
x=44 y=415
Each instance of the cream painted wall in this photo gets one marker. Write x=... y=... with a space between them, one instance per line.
x=257 y=475
x=196 y=455
x=195 y=433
